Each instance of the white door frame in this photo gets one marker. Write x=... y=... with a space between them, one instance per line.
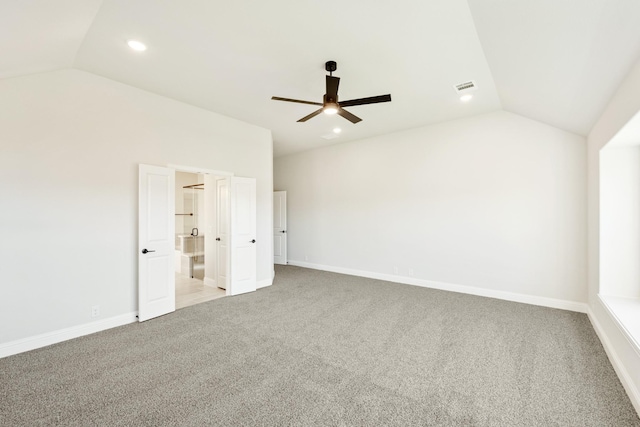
x=222 y=234
x=194 y=169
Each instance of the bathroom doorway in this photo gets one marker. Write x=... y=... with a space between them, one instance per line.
x=232 y=266
x=195 y=228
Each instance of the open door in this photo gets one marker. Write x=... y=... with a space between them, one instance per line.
x=222 y=233
x=156 y=242
x=243 y=235
x=280 y=227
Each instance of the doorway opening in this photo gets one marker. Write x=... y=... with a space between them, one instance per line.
x=195 y=217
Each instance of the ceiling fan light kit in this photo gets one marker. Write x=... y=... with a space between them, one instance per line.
x=330 y=108
x=330 y=103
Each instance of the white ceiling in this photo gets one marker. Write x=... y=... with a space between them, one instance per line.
x=40 y=35
x=556 y=61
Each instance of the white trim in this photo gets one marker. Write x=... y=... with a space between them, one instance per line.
x=209 y=282
x=618 y=366
x=264 y=283
x=193 y=169
x=43 y=340
x=483 y=292
x=633 y=340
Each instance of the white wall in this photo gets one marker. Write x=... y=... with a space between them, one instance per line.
x=624 y=105
x=620 y=221
x=495 y=202
x=70 y=145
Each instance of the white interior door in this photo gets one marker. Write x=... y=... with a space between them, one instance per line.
x=280 y=227
x=156 y=242
x=222 y=233
x=243 y=235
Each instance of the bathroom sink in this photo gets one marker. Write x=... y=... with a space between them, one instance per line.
x=189 y=243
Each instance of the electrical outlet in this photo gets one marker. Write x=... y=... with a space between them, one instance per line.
x=410 y=272
x=306 y=257
x=395 y=270
x=95 y=311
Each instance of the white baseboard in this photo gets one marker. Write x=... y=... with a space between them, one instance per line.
x=54 y=337
x=209 y=282
x=623 y=374
x=508 y=296
x=264 y=283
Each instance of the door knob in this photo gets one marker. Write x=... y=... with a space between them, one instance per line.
x=145 y=250
x=283 y=231
x=253 y=241
x=217 y=239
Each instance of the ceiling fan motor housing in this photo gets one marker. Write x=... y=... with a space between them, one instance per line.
x=326 y=100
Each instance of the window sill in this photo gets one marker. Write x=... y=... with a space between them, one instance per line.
x=626 y=311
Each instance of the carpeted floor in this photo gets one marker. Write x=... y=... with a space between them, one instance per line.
x=319 y=348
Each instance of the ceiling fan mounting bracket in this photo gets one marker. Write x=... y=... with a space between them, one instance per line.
x=330 y=66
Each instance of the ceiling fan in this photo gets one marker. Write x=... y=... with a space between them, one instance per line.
x=330 y=104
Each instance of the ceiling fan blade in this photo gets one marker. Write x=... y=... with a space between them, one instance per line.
x=277 y=98
x=347 y=115
x=363 y=101
x=332 y=87
x=315 y=113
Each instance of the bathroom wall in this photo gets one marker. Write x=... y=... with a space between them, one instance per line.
x=182 y=179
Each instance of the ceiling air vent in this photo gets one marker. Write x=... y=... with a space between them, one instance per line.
x=465 y=87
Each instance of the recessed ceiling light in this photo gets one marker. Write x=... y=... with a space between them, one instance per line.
x=337 y=130
x=466 y=98
x=136 y=45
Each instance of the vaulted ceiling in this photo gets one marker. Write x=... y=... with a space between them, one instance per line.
x=555 y=61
